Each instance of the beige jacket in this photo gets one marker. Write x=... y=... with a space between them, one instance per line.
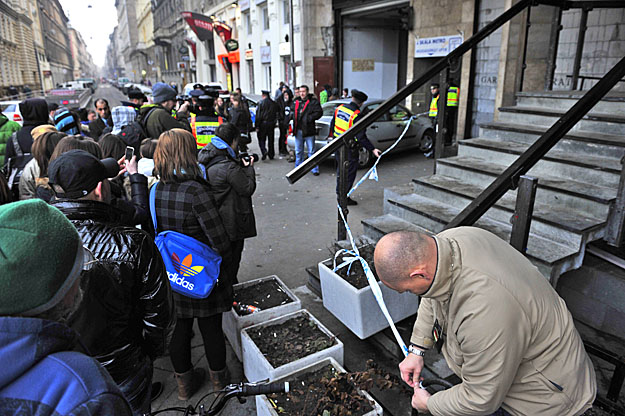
x=509 y=336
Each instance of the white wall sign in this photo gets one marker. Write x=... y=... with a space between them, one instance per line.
x=438 y=46
x=284 y=48
x=244 y=5
x=265 y=54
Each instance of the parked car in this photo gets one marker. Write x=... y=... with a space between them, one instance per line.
x=214 y=85
x=11 y=109
x=382 y=133
x=143 y=88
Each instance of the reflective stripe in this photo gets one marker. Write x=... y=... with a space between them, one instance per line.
x=343 y=119
x=452 y=96
x=434 y=107
x=204 y=131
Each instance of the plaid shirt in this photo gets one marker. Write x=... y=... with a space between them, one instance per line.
x=122 y=116
x=189 y=208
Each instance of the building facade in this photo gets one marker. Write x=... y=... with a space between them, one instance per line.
x=142 y=54
x=81 y=59
x=54 y=25
x=127 y=35
x=170 y=34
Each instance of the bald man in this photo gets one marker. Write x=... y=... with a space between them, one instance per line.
x=500 y=325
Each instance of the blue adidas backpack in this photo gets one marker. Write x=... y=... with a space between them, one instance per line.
x=192 y=266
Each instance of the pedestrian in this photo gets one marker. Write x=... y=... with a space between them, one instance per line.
x=27 y=184
x=345 y=93
x=67 y=121
x=278 y=92
x=233 y=182
x=157 y=117
x=52 y=107
x=91 y=115
x=7 y=128
x=18 y=149
x=325 y=94
x=128 y=313
x=266 y=116
x=501 y=326
x=35 y=174
x=40 y=281
x=285 y=111
x=122 y=116
x=240 y=117
x=185 y=203
x=244 y=103
x=335 y=94
x=145 y=166
x=104 y=121
x=28 y=91
x=136 y=99
x=206 y=121
x=112 y=146
x=345 y=116
x=220 y=108
x=307 y=111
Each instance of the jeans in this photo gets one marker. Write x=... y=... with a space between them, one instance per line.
x=299 y=148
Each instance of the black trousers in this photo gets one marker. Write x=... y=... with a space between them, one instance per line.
x=237 y=250
x=284 y=128
x=214 y=343
x=352 y=169
x=266 y=133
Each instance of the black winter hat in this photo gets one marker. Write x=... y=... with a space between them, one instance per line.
x=76 y=173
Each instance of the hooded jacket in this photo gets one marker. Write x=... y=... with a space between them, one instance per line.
x=128 y=310
x=506 y=332
x=233 y=186
x=160 y=120
x=35 y=113
x=42 y=375
x=306 y=112
x=7 y=128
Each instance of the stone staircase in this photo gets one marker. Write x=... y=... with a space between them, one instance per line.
x=577 y=180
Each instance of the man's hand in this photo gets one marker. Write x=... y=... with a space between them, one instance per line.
x=184 y=108
x=410 y=369
x=420 y=399
x=131 y=167
x=377 y=152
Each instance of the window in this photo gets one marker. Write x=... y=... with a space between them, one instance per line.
x=250 y=72
x=265 y=15
x=286 y=12
x=267 y=73
x=398 y=113
x=247 y=21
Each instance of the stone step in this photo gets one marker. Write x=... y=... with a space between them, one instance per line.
x=573 y=194
x=314 y=282
x=561 y=224
x=586 y=142
x=564 y=100
x=599 y=122
x=566 y=165
x=377 y=227
x=551 y=258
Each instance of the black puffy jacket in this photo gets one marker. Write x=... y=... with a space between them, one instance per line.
x=233 y=186
x=128 y=309
x=305 y=114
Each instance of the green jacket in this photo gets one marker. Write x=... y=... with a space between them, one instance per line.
x=507 y=333
x=7 y=128
x=161 y=120
x=323 y=97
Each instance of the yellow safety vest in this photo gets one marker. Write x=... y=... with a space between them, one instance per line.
x=434 y=107
x=452 y=96
x=343 y=119
x=204 y=131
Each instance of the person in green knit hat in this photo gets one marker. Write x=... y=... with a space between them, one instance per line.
x=42 y=259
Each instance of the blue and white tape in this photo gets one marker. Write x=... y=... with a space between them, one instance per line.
x=355 y=254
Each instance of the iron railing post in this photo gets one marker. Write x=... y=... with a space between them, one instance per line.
x=522 y=218
x=441 y=115
x=342 y=168
x=581 y=36
x=616 y=218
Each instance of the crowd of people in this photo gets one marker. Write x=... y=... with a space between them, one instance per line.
x=84 y=287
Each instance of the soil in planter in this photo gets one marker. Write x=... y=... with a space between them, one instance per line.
x=266 y=294
x=356 y=276
x=320 y=393
x=291 y=340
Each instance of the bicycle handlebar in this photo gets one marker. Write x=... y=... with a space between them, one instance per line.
x=253 y=390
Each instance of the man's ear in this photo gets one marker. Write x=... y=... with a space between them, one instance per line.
x=420 y=271
x=98 y=192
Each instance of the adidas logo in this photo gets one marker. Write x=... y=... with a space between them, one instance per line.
x=184 y=269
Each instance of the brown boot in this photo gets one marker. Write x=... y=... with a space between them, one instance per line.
x=219 y=379
x=189 y=382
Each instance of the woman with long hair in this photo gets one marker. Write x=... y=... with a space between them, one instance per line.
x=220 y=108
x=184 y=203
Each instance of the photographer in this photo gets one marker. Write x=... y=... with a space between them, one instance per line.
x=233 y=182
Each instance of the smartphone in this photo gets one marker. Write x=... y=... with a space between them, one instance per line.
x=130 y=152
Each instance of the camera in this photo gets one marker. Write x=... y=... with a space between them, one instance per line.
x=244 y=156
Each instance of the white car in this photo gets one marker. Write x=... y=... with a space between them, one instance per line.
x=189 y=87
x=11 y=109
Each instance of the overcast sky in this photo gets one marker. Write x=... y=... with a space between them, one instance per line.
x=95 y=20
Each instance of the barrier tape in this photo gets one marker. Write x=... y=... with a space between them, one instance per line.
x=371 y=174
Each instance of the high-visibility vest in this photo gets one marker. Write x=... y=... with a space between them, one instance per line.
x=204 y=131
x=452 y=96
x=434 y=107
x=343 y=119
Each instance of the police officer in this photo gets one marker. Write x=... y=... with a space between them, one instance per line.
x=204 y=121
x=452 y=110
x=266 y=117
x=344 y=117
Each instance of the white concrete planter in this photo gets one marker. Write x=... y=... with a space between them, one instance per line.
x=357 y=309
x=264 y=407
x=233 y=323
x=256 y=367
